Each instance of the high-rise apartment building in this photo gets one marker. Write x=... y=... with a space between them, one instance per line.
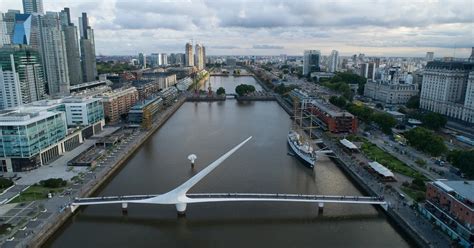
x=189 y=54
x=311 y=61
x=4 y=36
x=72 y=47
x=199 y=57
x=54 y=54
x=164 y=59
x=89 y=65
x=367 y=70
x=429 y=56
x=142 y=60
x=334 y=61
x=10 y=94
x=27 y=63
x=33 y=7
x=9 y=21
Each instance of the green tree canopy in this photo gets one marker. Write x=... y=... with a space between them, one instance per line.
x=464 y=160
x=5 y=183
x=413 y=102
x=53 y=183
x=434 y=121
x=385 y=121
x=244 y=89
x=361 y=111
x=340 y=101
x=426 y=141
x=220 y=91
x=282 y=89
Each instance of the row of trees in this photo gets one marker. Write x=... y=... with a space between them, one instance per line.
x=282 y=89
x=244 y=89
x=341 y=81
x=339 y=101
x=53 y=183
x=340 y=87
x=111 y=67
x=383 y=120
x=426 y=140
x=463 y=160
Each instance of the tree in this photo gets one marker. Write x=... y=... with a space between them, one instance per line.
x=53 y=183
x=426 y=141
x=244 y=89
x=413 y=102
x=282 y=89
x=220 y=91
x=385 y=121
x=463 y=161
x=5 y=183
x=361 y=111
x=340 y=101
x=433 y=120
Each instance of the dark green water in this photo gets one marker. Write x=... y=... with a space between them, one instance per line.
x=262 y=165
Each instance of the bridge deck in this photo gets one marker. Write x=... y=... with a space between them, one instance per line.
x=287 y=197
x=215 y=197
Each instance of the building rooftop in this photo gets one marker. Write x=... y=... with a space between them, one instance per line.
x=465 y=189
x=330 y=109
x=78 y=99
x=451 y=65
x=24 y=116
x=141 y=104
x=396 y=113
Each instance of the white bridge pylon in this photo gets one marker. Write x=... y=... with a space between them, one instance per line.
x=180 y=199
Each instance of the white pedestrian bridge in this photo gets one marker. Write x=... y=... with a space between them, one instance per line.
x=180 y=198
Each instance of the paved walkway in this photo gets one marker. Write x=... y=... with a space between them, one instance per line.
x=398 y=205
x=57 y=169
x=50 y=210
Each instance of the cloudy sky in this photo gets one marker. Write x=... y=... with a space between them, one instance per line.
x=272 y=27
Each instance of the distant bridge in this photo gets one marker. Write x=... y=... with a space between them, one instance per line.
x=180 y=198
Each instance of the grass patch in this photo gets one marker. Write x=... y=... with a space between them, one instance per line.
x=34 y=193
x=5 y=228
x=416 y=195
x=391 y=162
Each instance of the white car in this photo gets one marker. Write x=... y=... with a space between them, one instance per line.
x=11 y=239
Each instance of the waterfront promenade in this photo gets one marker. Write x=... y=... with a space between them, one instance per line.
x=52 y=213
x=400 y=211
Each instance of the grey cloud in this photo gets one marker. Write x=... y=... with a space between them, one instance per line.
x=224 y=47
x=267 y=47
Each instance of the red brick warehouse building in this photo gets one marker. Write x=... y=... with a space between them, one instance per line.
x=331 y=118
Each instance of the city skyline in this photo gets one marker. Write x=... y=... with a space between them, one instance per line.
x=276 y=27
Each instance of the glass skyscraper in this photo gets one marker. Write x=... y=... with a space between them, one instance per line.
x=26 y=61
x=22 y=29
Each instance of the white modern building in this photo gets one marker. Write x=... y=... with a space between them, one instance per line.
x=83 y=111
